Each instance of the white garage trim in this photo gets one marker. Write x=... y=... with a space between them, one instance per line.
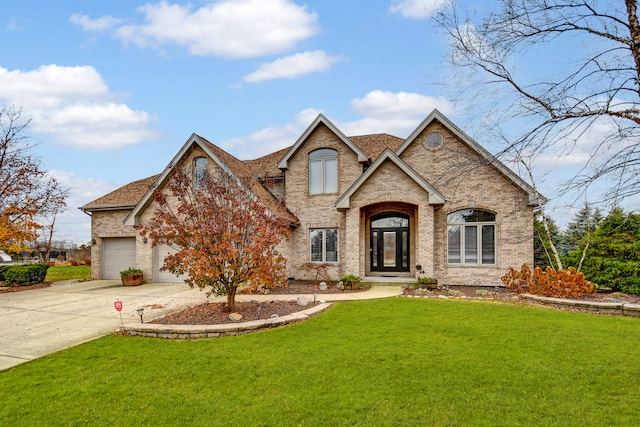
x=118 y=253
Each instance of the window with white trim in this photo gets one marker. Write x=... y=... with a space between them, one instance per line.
x=323 y=171
x=471 y=237
x=324 y=245
x=199 y=171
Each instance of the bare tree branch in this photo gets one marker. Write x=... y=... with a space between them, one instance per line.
x=597 y=85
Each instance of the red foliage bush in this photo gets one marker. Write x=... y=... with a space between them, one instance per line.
x=74 y=263
x=551 y=283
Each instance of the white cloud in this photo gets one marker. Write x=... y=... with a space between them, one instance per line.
x=228 y=28
x=292 y=67
x=399 y=105
x=270 y=139
x=101 y=24
x=418 y=9
x=74 y=106
x=385 y=112
x=16 y=24
x=74 y=225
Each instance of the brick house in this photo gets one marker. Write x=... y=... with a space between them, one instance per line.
x=435 y=204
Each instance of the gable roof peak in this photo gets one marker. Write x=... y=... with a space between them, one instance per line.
x=321 y=119
x=535 y=198
x=435 y=197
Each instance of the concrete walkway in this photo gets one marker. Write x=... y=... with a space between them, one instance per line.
x=39 y=322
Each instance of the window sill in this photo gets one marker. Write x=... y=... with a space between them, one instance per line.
x=472 y=265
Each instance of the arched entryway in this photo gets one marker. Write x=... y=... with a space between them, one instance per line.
x=389 y=241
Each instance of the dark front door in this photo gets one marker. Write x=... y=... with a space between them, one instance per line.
x=389 y=242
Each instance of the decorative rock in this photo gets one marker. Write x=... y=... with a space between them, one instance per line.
x=323 y=286
x=236 y=317
x=302 y=301
x=273 y=316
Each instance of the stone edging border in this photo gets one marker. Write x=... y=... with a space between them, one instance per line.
x=157 y=330
x=621 y=308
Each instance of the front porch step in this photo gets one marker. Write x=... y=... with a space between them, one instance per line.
x=387 y=281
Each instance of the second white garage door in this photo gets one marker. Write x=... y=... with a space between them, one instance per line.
x=164 y=276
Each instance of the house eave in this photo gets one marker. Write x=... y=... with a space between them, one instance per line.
x=121 y=207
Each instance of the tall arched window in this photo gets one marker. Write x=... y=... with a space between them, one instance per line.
x=199 y=171
x=471 y=237
x=323 y=171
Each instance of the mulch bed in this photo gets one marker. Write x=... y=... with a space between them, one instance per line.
x=6 y=289
x=297 y=287
x=217 y=313
x=506 y=294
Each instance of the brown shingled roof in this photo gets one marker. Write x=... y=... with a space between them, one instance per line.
x=375 y=144
x=266 y=166
x=126 y=196
x=129 y=195
x=242 y=170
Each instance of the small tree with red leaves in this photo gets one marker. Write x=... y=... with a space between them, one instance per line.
x=224 y=234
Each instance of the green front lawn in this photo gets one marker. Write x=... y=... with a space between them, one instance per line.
x=396 y=362
x=56 y=273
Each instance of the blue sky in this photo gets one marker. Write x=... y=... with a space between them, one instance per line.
x=114 y=88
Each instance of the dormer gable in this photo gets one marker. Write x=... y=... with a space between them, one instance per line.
x=435 y=197
x=321 y=120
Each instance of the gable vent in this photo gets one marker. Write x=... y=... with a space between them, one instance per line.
x=433 y=140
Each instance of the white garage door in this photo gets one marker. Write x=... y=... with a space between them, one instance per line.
x=118 y=253
x=164 y=276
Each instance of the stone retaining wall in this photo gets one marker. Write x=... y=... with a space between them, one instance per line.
x=157 y=330
x=621 y=308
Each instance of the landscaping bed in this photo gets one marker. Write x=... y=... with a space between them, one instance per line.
x=5 y=289
x=218 y=313
x=306 y=287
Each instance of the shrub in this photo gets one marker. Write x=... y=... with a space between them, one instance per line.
x=21 y=275
x=74 y=263
x=350 y=280
x=130 y=270
x=560 y=284
x=316 y=269
x=3 y=269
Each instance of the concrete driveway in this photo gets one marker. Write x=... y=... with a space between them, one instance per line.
x=39 y=322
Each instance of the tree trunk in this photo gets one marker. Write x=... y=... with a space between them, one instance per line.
x=231 y=298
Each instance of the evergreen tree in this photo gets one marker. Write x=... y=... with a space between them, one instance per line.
x=584 y=223
x=613 y=258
